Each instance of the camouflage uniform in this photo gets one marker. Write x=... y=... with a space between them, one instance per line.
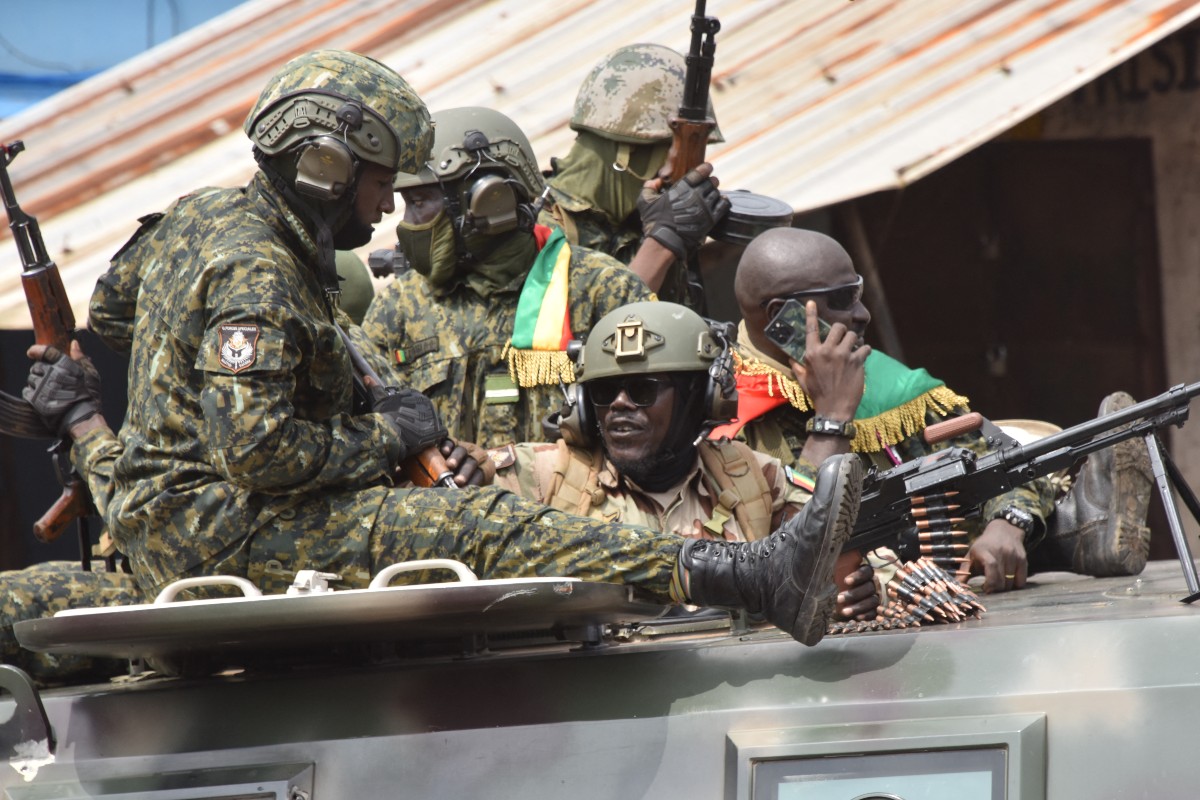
x=449 y=344
x=256 y=466
x=780 y=432
x=536 y=470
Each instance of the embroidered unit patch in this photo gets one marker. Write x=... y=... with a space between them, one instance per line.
x=796 y=479
x=238 y=346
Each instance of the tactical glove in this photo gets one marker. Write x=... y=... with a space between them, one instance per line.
x=412 y=415
x=63 y=391
x=680 y=218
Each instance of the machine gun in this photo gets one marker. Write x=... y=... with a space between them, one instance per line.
x=53 y=324
x=968 y=480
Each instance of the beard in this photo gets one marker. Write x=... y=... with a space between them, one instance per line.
x=355 y=233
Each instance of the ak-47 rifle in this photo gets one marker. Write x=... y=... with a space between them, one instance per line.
x=53 y=324
x=692 y=126
x=967 y=480
x=427 y=468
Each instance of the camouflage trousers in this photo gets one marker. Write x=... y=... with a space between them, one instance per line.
x=42 y=590
x=496 y=533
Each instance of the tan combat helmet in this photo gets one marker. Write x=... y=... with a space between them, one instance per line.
x=632 y=95
x=345 y=95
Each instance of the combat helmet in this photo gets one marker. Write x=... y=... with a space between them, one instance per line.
x=331 y=97
x=632 y=95
x=656 y=337
x=485 y=161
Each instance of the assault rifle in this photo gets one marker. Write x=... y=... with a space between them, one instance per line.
x=885 y=515
x=692 y=126
x=427 y=468
x=53 y=324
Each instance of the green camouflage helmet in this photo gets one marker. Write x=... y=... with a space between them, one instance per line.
x=632 y=95
x=647 y=337
x=470 y=138
x=306 y=96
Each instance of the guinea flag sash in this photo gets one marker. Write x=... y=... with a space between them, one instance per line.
x=536 y=353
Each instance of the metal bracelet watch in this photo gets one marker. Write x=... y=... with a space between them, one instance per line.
x=1019 y=517
x=831 y=427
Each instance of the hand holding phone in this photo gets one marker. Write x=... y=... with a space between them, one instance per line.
x=789 y=329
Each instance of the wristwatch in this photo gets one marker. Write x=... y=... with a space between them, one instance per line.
x=831 y=427
x=1019 y=517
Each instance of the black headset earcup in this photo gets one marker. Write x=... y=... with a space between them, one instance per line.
x=576 y=424
x=325 y=168
x=720 y=390
x=492 y=205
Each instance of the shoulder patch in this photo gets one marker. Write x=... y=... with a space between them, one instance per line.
x=238 y=346
x=796 y=479
x=503 y=456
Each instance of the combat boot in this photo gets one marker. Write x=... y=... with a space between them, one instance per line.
x=1099 y=527
x=788 y=576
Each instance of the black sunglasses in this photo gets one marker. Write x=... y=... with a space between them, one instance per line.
x=838 y=298
x=641 y=390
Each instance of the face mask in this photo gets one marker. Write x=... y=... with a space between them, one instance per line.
x=429 y=248
x=641 y=161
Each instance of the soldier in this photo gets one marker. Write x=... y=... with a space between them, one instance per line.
x=797 y=412
x=654 y=379
x=479 y=320
x=241 y=452
x=606 y=194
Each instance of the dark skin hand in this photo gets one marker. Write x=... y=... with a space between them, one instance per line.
x=999 y=555
x=91 y=423
x=860 y=600
x=470 y=463
x=832 y=376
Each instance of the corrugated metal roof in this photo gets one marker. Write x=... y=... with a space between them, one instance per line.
x=820 y=100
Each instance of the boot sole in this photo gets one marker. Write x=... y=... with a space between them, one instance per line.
x=819 y=603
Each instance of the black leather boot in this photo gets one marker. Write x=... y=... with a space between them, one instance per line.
x=788 y=576
x=1099 y=527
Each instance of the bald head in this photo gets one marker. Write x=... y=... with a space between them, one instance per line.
x=783 y=261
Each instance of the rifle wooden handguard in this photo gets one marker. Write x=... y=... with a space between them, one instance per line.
x=950 y=428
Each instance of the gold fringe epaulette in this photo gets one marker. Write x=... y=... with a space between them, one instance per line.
x=874 y=433
x=538 y=367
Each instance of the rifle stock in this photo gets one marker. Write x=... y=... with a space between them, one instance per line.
x=53 y=324
x=884 y=513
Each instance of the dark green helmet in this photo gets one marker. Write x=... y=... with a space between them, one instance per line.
x=355 y=98
x=647 y=337
x=476 y=138
x=632 y=95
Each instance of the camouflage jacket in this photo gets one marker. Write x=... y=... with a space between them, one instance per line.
x=590 y=228
x=450 y=345
x=239 y=386
x=539 y=471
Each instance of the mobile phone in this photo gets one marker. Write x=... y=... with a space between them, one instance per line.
x=789 y=329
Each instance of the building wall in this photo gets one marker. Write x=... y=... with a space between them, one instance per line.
x=1154 y=95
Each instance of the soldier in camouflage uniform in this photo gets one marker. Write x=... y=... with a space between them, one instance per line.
x=653 y=379
x=479 y=273
x=598 y=191
x=1098 y=528
x=241 y=451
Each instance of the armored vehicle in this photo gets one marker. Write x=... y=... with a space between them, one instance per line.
x=1076 y=687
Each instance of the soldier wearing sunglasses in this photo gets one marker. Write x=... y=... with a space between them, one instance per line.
x=804 y=413
x=654 y=379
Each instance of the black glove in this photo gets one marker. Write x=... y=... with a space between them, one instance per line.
x=63 y=391
x=680 y=218
x=412 y=415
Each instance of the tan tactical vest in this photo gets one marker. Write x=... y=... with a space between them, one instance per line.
x=741 y=491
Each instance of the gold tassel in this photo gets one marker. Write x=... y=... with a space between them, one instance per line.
x=887 y=429
x=538 y=367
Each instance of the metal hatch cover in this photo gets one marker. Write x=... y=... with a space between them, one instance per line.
x=315 y=616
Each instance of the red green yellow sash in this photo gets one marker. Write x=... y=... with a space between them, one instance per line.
x=536 y=353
